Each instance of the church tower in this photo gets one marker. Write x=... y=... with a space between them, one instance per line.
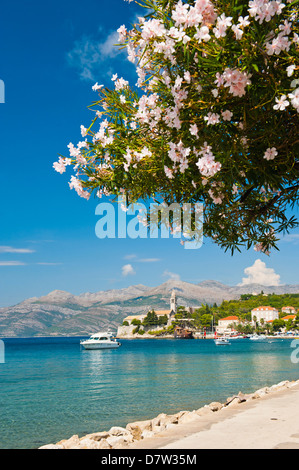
x=173 y=302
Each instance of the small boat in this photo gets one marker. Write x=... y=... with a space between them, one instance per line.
x=257 y=337
x=101 y=340
x=221 y=341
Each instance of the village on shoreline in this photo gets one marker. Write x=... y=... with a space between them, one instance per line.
x=200 y=323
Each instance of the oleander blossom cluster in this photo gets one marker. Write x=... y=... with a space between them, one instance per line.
x=188 y=116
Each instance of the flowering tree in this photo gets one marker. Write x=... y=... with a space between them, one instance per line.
x=213 y=117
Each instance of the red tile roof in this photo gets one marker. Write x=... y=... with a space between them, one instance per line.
x=264 y=308
x=232 y=317
x=289 y=317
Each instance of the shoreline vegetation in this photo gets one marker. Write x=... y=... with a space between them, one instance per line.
x=205 y=319
x=200 y=336
x=184 y=428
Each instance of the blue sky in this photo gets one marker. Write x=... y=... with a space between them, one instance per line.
x=52 y=55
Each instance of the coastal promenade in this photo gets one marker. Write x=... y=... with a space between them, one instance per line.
x=270 y=422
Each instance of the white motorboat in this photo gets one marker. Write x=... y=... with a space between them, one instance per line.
x=221 y=341
x=257 y=337
x=101 y=340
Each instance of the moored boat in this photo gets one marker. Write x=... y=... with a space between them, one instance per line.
x=257 y=337
x=221 y=341
x=101 y=340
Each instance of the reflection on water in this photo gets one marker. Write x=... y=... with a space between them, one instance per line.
x=52 y=391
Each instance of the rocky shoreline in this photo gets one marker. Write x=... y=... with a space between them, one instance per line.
x=136 y=432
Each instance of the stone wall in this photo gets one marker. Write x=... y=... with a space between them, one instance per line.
x=127 y=331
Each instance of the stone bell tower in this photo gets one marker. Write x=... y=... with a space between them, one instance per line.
x=173 y=302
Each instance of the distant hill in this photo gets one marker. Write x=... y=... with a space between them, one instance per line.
x=61 y=313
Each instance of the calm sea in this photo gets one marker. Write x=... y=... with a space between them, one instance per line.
x=52 y=389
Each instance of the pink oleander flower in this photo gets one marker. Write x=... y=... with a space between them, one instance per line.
x=235 y=189
x=180 y=12
x=270 y=153
x=207 y=165
x=235 y=80
x=286 y=27
x=217 y=199
x=294 y=97
x=243 y=22
x=97 y=87
x=212 y=118
x=282 y=103
x=122 y=33
x=74 y=151
x=227 y=115
x=223 y=22
x=280 y=43
x=168 y=172
x=263 y=10
x=202 y=34
x=261 y=247
x=238 y=32
x=153 y=28
x=120 y=83
x=83 y=131
x=290 y=70
x=194 y=130
x=206 y=9
x=187 y=76
x=61 y=164
x=77 y=186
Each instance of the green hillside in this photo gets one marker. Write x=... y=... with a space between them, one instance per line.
x=203 y=317
x=242 y=308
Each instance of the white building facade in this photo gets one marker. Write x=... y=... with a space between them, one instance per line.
x=290 y=310
x=264 y=313
x=227 y=325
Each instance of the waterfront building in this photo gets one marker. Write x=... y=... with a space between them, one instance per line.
x=227 y=325
x=265 y=313
x=290 y=310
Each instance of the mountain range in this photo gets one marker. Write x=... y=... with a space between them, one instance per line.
x=61 y=313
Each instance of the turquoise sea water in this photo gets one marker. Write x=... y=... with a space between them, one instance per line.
x=51 y=388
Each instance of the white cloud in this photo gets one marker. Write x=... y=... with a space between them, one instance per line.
x=148 y=260
x=170 y=275
x=108 y=48
x=49 y=264
x=132 y=256
x=10 y=249
x=141 y=260
x=258 y=273
x=12 y=263
x=127 y=270
x=291 y=238
x=92 y=56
